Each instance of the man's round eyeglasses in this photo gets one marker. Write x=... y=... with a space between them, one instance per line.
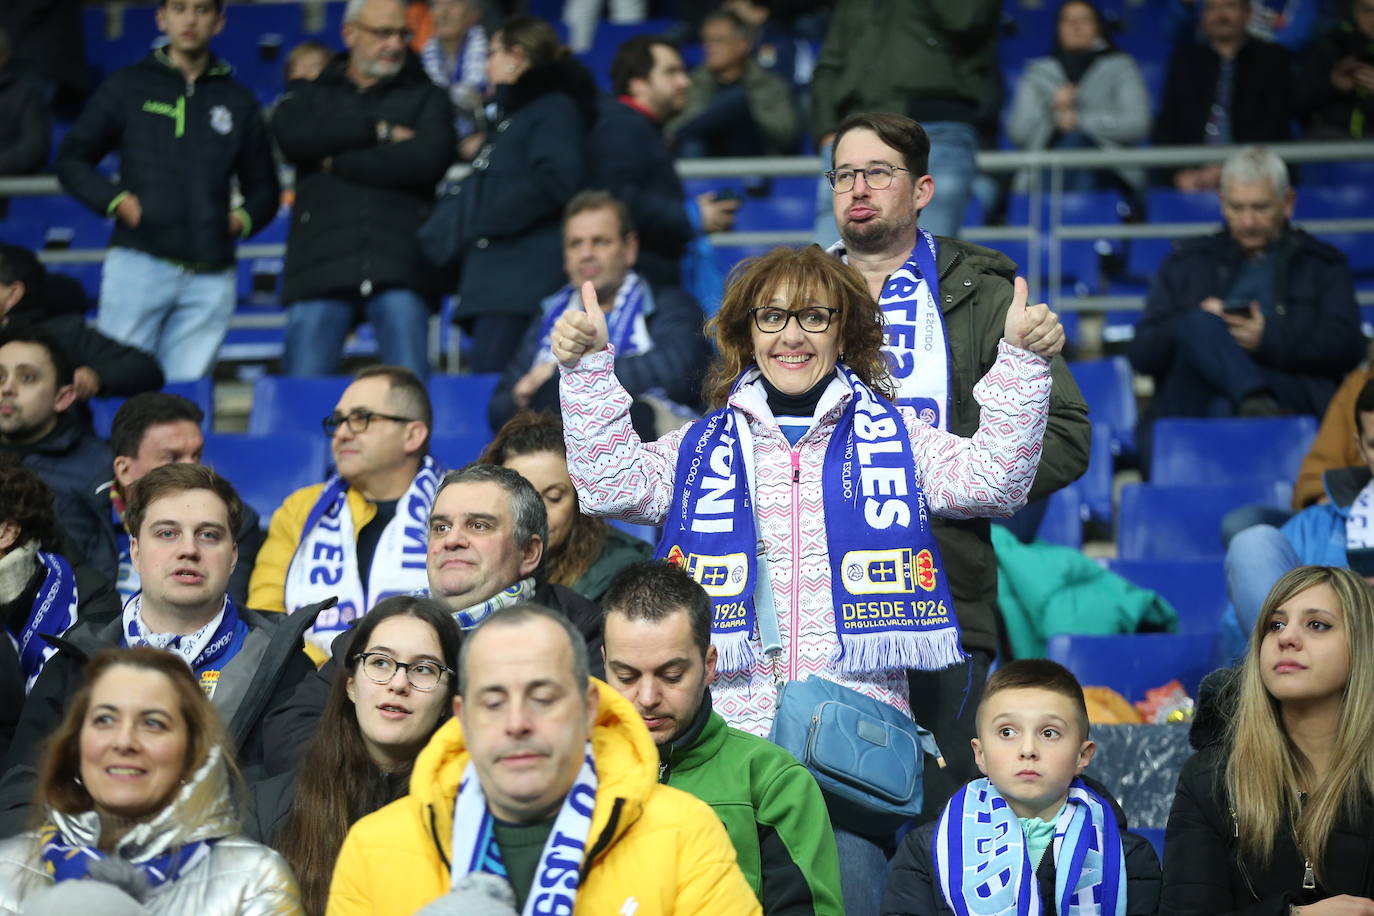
x=382 y=34
x=878 y=177
x=357 y=420
x=815 y=318
x=381 y=668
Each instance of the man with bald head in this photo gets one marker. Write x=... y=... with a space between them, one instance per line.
x=369 y=138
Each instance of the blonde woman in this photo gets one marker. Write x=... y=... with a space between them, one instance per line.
x=1278 y=818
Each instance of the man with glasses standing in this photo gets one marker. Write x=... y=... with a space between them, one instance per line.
x=946 y=303
x=361 y=535
x=370 y=139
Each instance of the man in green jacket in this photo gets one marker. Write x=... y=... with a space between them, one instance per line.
x=942 y=337
x=659 y=656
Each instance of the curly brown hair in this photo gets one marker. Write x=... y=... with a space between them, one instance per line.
x=26 y=500
x=821 y=278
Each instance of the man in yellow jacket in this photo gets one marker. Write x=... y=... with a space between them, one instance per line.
x=547 y=778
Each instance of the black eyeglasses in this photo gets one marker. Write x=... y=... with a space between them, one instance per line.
x=385 y=34
x=815 y=318
x=380 y=668
x=358 y=421
x=878 y=177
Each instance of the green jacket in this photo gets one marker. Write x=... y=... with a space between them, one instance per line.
x=770 y=102
x=621 y=550
x=891 y=55
x=771 y=807
x=975 y=291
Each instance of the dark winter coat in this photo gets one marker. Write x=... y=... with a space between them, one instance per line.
x=914 y=887
x=359 y=201
x=1262 y=96
x=1327 y=111
x=534 y=161
x=629 y=159
x=1314 y=333
x=25 y=126
x=179 y=144
x=72 y=462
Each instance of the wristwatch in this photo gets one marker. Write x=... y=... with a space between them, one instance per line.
x=383 y=132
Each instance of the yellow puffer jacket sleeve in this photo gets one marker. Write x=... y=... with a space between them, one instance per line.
x=267 y=588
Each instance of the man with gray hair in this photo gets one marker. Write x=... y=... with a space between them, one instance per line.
x=370 y=138
x=1257 y=320
x=487 y=531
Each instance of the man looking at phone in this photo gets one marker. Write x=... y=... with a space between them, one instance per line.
x=1257 y=320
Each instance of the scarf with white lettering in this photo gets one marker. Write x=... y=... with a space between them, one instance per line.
x=556 y=878
x=326 y=559
x=893 y=607
x=53 y=613
x=207 y=649
x=983 y=868
x=1359 y=522
x=916 y=344
x=626 y=328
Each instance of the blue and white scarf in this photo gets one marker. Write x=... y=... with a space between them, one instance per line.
x=983 y=868
x=559 y=873
x=465 y=81
x=893 y=607
x=916 y=346
x=53 y=613
x=206 y=651
x=1359 y=522
x=470 y=617
x=72 y=862
x=326 y=559
x=626 y=327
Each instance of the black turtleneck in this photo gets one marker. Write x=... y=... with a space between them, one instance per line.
x=684 y=739
x=795 y=405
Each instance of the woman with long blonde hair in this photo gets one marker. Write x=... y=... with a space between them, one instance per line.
x=1279 y=816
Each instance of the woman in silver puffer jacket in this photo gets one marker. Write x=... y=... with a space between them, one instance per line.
x=137 y=789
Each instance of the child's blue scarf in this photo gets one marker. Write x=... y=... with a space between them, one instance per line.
x=893 y=607
x=983 y=869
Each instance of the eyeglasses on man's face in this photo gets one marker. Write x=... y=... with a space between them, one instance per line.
x=380 y=668
x=384 y=34
x=813 y=318
x=357 y=420
x=878 y=177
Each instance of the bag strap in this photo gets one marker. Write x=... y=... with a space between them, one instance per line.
x=770 y=634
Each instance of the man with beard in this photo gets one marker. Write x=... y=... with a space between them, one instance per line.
x=944 y=320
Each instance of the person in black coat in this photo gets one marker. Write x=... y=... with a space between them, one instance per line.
x=1232 y=88
x=1336 y=85
x=1289 y=732
x=370 y=138
x=25 y=125
x=1254 y=320
x=534 y=161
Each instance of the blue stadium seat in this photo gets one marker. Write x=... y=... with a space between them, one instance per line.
x=1191 y=451
x=647 y=533
x=460 y=403
x=1136 y=662
x=1348 y=174
x=267 y=469
x=1196 y=588
x=1184 y=522
x=201 y=392
x=1166 y=205
x=1108 y=388
x=454 y=451
x=1341 y=202
x=1063 y=521
x=282 y=404
x=1095 y=486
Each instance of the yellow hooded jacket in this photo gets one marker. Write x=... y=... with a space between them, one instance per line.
x=652 y=850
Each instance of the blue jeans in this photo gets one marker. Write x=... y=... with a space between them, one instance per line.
x=316 y=330
x=864 y=871
x=953 y=165
x=1255 y=560
x=178 y=315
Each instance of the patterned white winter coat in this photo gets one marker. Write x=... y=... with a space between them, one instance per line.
x=990 y=474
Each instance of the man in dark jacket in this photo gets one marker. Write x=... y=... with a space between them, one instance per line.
x=37 y=424
x=1256 y=320
x=370 y=138
x=487 y=532
x=630 y=159
x=1232 y=88
x=25 y=125
x=880 y=188
x=247 y=662
x=183 y=128
x=150 y=430
x=660 y=348
x=104 y=366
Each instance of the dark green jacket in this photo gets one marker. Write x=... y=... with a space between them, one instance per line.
x=771 y=807
x=621 y=550
x=975 y=291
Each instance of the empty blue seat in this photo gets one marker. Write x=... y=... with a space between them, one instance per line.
x=1136 y=662
x=1108 y=388
x=1196 y=588
x=1095 y=486
x=1063 y=521
x=454 y=451
x=1166 y=205
x=460 y=403
x=282 y=404
x=201 y=392
x=647 y=533
x=267 y=469
x=1184 y=522
x=1234 y=450
x=1341 y=202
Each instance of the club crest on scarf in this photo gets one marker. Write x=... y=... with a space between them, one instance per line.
x=892 y=605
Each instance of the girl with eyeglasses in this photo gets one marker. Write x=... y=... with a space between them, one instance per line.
x=395 y=692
